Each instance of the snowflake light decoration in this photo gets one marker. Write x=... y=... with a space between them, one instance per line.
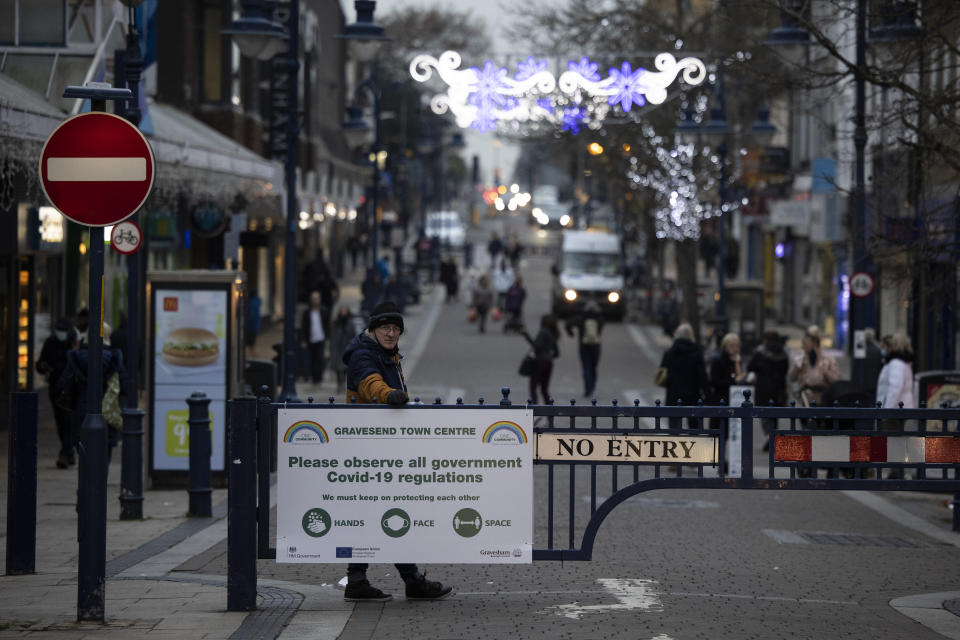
x=488 y=98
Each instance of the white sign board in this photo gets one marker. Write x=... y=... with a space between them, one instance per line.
x=791 y=213
x=861 y=284
x=735 y=430
x=402 y=485
x=859 y=344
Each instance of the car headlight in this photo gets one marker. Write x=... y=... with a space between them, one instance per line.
x=613 y=296
x=570 y=295
x=564 y=220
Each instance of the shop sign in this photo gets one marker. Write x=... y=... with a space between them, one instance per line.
x=208 y=220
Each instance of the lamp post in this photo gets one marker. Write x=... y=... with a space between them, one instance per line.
x=364 y=39
x=356 y=130
x=259 y=37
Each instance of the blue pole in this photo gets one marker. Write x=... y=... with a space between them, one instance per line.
x=242 y=506
x=22 y=484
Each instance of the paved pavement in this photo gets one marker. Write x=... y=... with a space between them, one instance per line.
x=152 y=593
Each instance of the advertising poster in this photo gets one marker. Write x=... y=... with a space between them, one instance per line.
x=402 y=485
x=189 y=356
x=735 y=430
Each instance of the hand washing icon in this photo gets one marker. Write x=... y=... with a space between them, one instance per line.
x=316 y=522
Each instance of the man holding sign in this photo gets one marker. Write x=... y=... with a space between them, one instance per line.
x=374 y=375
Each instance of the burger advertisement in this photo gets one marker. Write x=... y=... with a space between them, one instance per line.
x=189 y=355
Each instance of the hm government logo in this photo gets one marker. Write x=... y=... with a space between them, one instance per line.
x=504 y=432
x=305 y=432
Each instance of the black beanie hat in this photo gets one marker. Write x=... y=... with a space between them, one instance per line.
x=385 y=313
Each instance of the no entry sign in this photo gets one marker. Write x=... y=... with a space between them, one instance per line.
x=97 y=169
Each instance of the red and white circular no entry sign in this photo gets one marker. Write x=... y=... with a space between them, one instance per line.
x=97 y=169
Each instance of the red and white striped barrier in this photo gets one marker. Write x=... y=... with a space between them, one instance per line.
x=898 y=449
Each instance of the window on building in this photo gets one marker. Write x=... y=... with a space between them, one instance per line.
x=211 y=48
x=33 y=22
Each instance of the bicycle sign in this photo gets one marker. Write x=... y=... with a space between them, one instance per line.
x=126 y=237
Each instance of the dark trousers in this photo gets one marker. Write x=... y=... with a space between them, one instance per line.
x=62 y=418
x=317 y=363
x=357 y=572
x=589 y=357
x=540 y=378
x=482 y=318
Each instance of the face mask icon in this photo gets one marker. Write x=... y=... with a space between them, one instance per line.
x=394 y=522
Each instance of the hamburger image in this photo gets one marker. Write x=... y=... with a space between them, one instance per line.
x=191 y=347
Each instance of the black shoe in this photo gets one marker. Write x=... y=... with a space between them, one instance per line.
x=62 y=462
x=365 y=592
x=422 y=589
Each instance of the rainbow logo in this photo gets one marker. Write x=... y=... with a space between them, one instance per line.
x=504 y=432
x=306 y=432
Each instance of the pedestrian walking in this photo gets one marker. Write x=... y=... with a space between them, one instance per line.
x=545 y=350
x=482 y=301
x=313 y=336
x=513 y=306
x=50 y=364
x=374 y=374
x=494 y=247
x=725 y=369
x=503 y=277
x=450 y=278
x=812 y=370
x=769 y=365
x=514 y=250
x=895 y=382
x=588 y=326
x=72 y=387
x=686 y=372
x=371 y=289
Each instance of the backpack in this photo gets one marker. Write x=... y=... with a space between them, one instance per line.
x=111 y=402
x=591 y=331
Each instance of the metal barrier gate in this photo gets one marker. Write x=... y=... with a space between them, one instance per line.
x=816 y=448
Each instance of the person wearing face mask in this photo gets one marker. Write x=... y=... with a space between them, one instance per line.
x=813 y=370
x=51 y=363
x=374 y=375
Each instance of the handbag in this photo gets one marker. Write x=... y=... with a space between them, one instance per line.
x=111 y=403
x=526 y=365
x=472 y=314
x=660 y=377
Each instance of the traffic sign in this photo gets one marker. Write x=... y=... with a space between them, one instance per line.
x=861 y=284
x=97 y=169
x=126 y=236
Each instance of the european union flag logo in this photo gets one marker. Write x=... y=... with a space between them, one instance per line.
x=344 y=552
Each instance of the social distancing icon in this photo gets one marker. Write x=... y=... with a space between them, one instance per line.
x=467 y=523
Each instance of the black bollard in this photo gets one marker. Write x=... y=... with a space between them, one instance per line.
x=131 y=474
x=22 y=484
x=201 y=494
x=242 y=505
x=956 y=512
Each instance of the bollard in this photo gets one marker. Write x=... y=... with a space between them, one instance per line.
x=22 y=484
x=131 y=474
x=242 y=505
x=200 y=444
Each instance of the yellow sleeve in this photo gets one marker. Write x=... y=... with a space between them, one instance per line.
x=372 y=387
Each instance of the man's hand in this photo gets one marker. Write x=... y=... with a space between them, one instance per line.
x=397 y=397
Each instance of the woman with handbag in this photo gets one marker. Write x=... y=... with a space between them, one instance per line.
x=545 y=350
x=813 y=371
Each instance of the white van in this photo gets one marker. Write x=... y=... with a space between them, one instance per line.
x=590 y=268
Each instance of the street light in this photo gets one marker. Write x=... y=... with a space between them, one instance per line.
x=261 y=38
x=365 y=38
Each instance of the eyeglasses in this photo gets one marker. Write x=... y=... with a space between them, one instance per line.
x=389 y=328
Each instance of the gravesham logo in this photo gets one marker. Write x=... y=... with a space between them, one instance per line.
x=305 y=432
x=504 y=432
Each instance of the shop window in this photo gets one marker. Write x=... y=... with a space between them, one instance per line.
x=33 y=22
x=211 y=52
